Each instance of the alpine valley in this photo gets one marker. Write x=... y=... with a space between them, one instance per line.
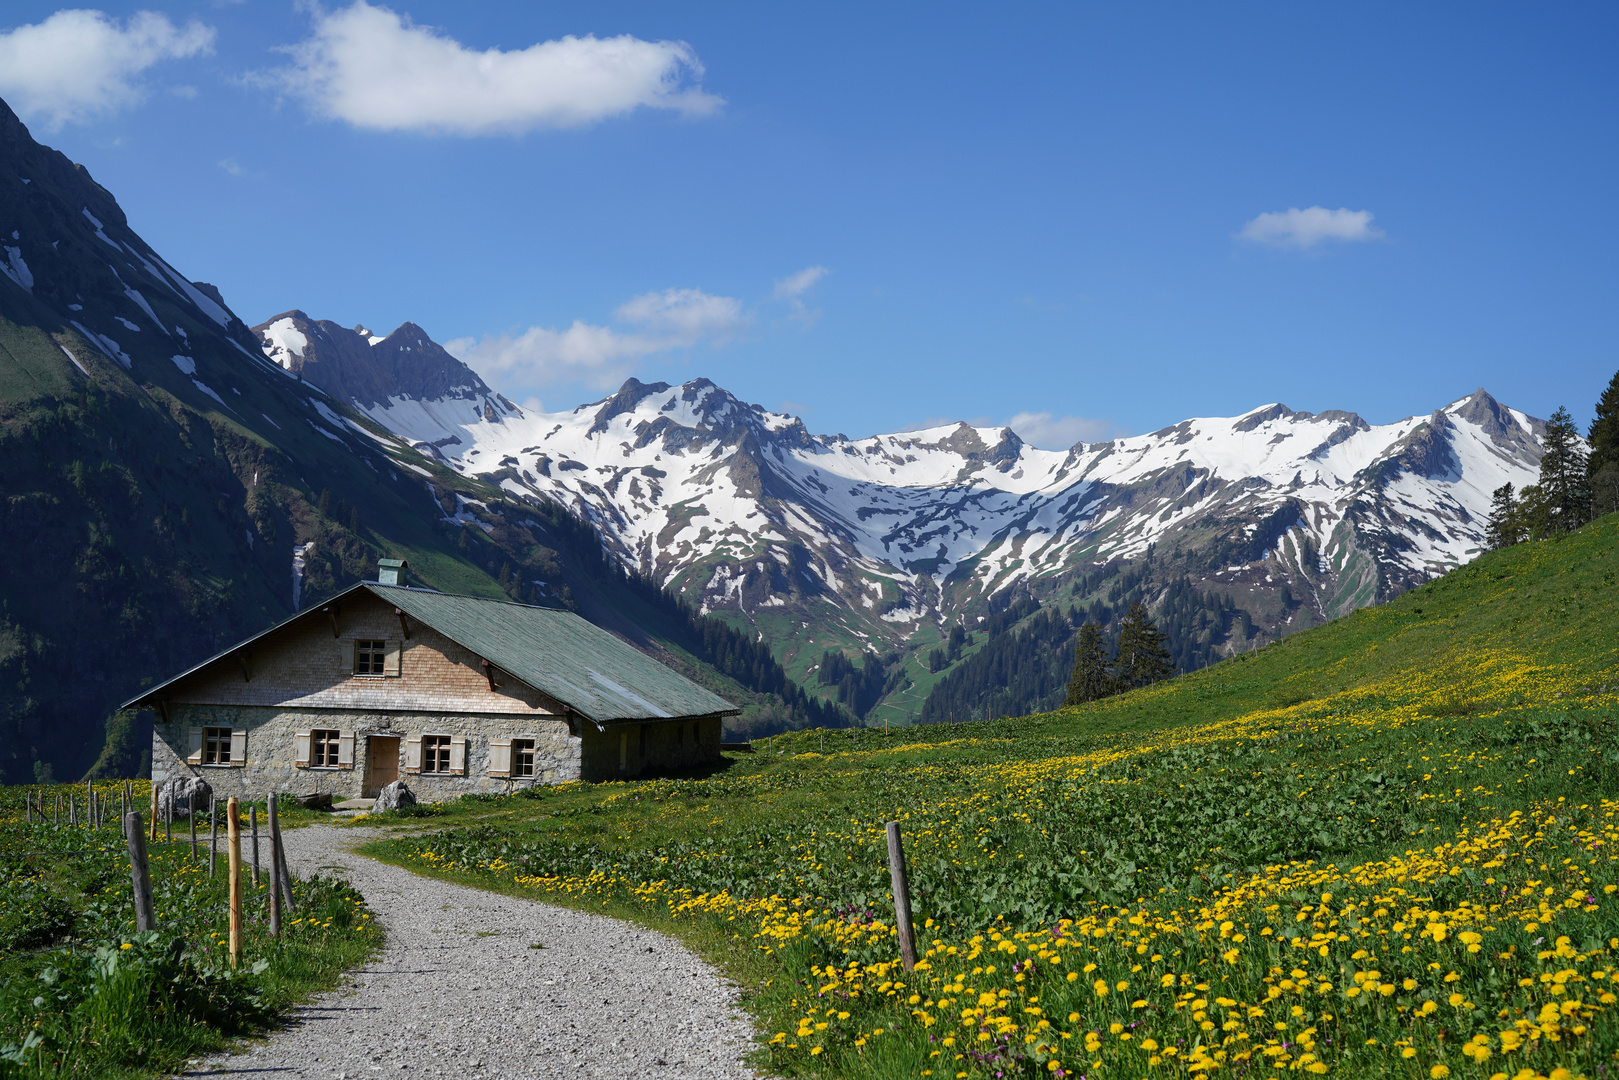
x=172 y=481
x=941 y=573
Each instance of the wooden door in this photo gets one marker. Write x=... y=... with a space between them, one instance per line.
x=381 y=763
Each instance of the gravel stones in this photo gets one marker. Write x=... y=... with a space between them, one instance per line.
x=462 y=990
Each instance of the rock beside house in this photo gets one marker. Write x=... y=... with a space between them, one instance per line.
x=396 y=796
x=178 y=797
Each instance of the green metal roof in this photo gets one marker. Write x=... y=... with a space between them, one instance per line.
x=560 y=654
x=556 y=652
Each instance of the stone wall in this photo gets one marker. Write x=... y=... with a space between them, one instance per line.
x=272 y=749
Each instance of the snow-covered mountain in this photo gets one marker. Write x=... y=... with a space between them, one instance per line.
x=822 y=540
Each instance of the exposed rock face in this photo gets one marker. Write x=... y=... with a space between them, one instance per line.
x=178 y=798
x=396 y=796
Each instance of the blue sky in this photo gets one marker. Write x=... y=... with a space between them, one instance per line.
x=1073 y=215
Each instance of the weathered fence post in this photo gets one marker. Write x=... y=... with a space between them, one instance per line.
x=154 y=811
x=274 y=825
x=286 y=876
x=213 y=833
x=233 y=851
x=72 y=810
x=902 y=897
x=139 y=875
x=253 y=823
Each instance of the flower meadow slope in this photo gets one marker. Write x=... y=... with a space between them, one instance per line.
x=1384 y=848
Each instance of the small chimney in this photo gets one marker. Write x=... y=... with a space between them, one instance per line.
x=388 y=570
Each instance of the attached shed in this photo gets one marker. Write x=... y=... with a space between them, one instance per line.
x=454 y=694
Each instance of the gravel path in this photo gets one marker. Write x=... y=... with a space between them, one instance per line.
x=459 y=991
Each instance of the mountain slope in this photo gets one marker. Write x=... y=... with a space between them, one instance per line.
x=1286 y=519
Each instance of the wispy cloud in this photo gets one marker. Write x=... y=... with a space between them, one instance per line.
x=792 y=289
x=1304 y=229
x=603 y=356
x=373 y=68
x=79 y=65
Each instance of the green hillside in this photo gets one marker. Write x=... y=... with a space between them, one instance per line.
x=1383 y=847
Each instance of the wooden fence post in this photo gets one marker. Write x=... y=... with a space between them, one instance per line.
x=192 y=819
x=273 y=824
x=139 y=874
x=154 y=811
x=286 y=876
x=72 y=810
x=253 y=823
x=902 y=897
x=233 y=850
x=213 y=833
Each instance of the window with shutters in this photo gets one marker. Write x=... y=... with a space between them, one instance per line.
x=522 y=757
x=216 y=745
x=435 y=753
x=369 y=657
x=323 y=748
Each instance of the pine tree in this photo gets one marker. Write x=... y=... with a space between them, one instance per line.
x=1143 y=657
x=1562 y=474
x=1091 y=680
x=1505 y=528
x=1602 y=467
x=1534 y=513
x=1604 y=433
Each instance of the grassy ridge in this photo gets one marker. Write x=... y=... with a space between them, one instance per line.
x=83 y=994
x=1382 y=847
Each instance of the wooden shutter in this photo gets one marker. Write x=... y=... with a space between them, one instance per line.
x=413 y=754
x=238 y=747
x=500 y=757
x=194 y=746
x=301 y=752
x=345 y=749
x=392 y=664
x=458 y=757
x=348 y=656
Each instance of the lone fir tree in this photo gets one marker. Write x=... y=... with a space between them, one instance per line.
x=1562 y=474
x=1506 y=526
x=1602 y=467
x=1091 y=679
x=1143 y=656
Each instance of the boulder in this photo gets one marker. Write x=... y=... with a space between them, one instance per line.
x=396 y=796
x=177 y=798
x=318 y=801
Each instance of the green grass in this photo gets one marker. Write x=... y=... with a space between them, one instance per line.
x=83 y=994
x=1286 y=827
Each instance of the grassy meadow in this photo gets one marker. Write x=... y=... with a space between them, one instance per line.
x=83 y=994
x=1384 y=847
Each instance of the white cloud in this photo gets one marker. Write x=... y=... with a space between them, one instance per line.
x=1060 y=432
x=601 y=356
x=374 y=69
x=79 y=65
x=1305 y=229
x=685 y=314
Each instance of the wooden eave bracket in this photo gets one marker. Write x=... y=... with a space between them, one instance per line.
x=331 y=616
x=404 y=622
x=489 y=673
x=245 y=658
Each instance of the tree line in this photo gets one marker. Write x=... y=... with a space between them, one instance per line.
x=1576 y=484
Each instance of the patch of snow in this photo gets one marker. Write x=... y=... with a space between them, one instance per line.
x=205 y=388
x=106 y=344
x=127 y=324
x=16 y=269
x=73 y=358
x=97 y=223
x=272 y=423
x=140 y=301
x=185 y=364
x=284 y=343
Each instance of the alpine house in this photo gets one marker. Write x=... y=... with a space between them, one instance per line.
x=457 y=693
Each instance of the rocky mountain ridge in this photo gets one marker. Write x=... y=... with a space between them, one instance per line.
x=884 y=543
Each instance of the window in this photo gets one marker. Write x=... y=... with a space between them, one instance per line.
x=369 y=656
x=323 y=746
x=216 y=746
x=435 y=753
x=522 y=757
